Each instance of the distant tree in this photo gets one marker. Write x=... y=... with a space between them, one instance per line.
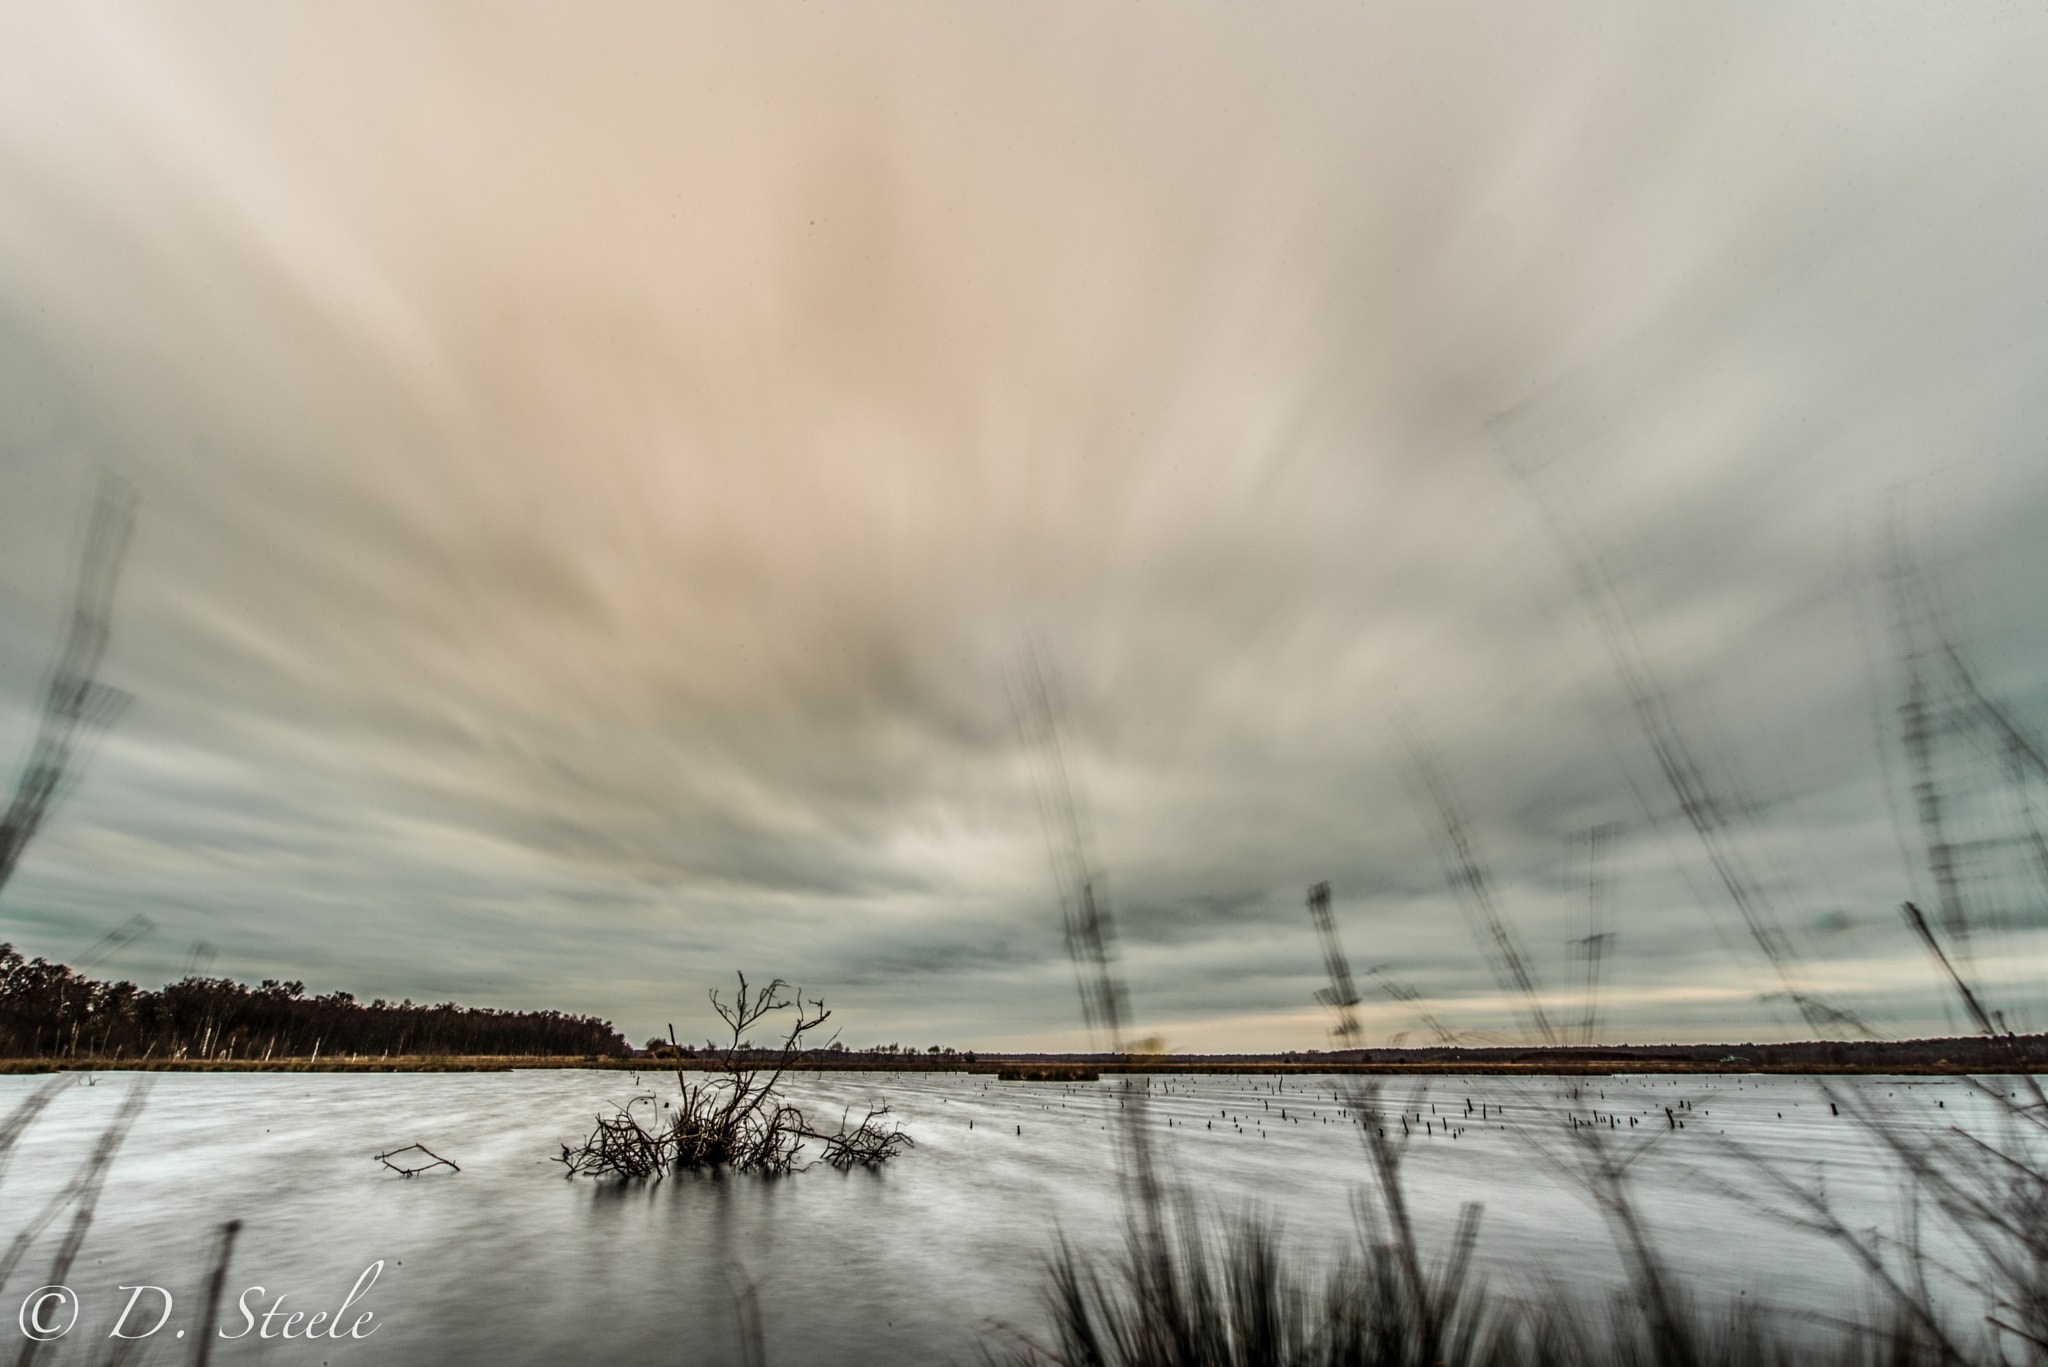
x=48 y=1010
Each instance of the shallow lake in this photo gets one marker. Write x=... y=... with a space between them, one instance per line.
x=922 y=1262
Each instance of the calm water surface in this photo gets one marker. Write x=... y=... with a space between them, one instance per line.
x=507 y=1262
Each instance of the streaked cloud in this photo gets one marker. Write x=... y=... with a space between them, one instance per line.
x=598 y=469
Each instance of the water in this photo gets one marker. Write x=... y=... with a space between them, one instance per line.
x=508 y=1262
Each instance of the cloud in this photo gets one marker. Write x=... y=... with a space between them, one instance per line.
x=597 y=474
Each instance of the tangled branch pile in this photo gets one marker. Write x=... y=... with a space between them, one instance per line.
x=737 y=1119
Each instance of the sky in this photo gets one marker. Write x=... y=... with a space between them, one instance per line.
x=601 y=468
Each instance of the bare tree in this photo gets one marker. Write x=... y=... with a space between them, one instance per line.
x=739 y=1119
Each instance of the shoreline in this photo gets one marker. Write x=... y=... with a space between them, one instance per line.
x=1046 y=1069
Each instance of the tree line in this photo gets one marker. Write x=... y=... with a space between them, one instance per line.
x=48 y=1010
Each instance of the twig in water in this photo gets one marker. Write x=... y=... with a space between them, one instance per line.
x=413 y=1171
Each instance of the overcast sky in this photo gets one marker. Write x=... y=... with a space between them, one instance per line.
x=599 y=465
